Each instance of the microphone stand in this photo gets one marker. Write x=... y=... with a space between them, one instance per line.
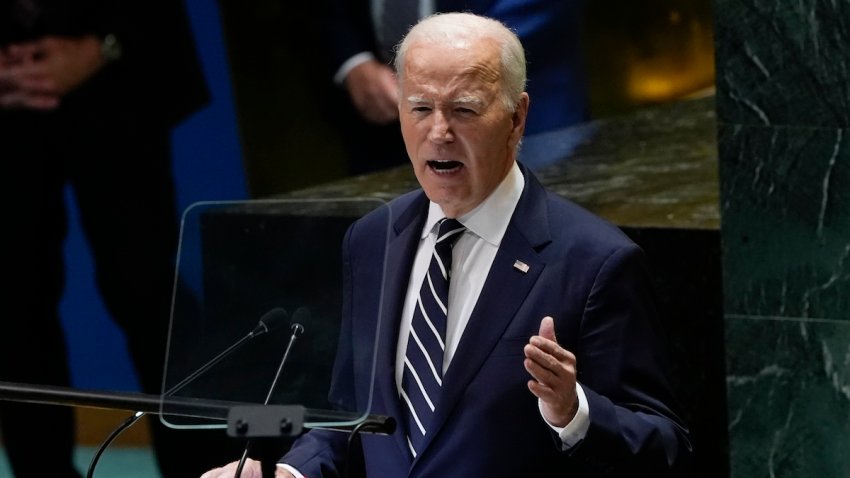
x=297 y=329
x=139 y=414
x=267 y=321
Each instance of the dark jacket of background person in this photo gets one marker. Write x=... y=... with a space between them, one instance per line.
x=110 y=139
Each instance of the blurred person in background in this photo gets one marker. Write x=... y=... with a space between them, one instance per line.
x=90 y=91
x=360 y=35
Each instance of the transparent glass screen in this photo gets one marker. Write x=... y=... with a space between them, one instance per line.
x=257 y=312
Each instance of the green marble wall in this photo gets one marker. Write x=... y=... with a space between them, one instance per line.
x=783 y=104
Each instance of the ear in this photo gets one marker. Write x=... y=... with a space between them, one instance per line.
x=519 y=117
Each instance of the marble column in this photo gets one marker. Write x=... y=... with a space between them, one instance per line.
x=783 y=105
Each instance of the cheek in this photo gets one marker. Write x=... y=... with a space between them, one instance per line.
x=409 y=137
x=413 y=132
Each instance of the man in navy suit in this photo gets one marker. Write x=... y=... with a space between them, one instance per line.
x=360 y=62
x=552 y=364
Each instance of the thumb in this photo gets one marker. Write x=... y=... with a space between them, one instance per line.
x=547 y=328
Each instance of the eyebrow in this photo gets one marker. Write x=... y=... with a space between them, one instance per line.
x=468 y=100
x=463 y=100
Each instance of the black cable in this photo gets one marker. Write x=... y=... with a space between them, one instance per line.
x=112 y=436
x=355 y=433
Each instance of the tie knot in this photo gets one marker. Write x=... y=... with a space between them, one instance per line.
x=449 y=231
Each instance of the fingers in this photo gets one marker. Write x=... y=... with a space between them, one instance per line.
x=547 y=328
x=282 y=473
x=553 y=372
x=548 y=363
x=251 y=469
x=25 y=86
x=20 y=52
x=220 y=472
x=32 y=78
x=547 y=344
x=22 y=100
x=28 y=75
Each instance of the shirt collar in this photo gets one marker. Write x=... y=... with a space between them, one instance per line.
x=490 y=219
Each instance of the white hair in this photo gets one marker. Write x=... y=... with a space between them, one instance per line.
x=456 y=27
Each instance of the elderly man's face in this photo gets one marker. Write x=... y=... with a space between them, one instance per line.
x=459 y=135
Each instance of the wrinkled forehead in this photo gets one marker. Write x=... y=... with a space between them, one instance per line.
x=453 y=59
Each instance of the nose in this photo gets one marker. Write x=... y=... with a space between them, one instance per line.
x=440 y=131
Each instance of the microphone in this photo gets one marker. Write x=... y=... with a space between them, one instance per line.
x=302 y=314
x=270 y=320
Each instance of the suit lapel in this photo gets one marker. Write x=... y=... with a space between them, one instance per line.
x=400 y=253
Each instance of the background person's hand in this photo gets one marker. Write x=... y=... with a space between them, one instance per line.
x=37 y=74
x=373 y=89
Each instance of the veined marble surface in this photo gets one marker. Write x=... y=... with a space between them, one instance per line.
x=783 y=102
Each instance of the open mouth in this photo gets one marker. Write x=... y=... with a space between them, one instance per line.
x=443 y=167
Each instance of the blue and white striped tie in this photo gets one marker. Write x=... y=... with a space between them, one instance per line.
x=423 y=362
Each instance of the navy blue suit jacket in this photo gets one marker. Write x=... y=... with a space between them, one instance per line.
x=550 y=31
x=582 y=271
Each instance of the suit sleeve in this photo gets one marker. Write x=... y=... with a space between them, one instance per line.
x=348 y=30
x=634 y=427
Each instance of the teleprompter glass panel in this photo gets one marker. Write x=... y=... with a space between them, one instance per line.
x=257 y=313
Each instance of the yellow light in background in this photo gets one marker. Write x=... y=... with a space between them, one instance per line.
x=686 y=67
x=652 y=89
x=648 y=53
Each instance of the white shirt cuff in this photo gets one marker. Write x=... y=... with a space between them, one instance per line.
x=349 y=65
x=576 y=430
x=291 y=470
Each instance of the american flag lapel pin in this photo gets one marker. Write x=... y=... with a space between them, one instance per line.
x=521 y=266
